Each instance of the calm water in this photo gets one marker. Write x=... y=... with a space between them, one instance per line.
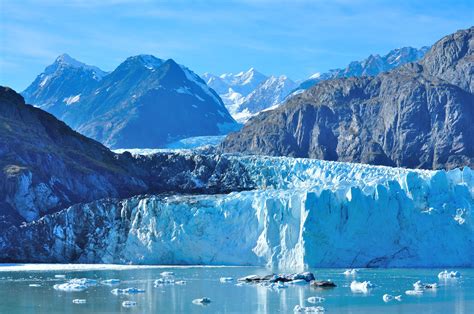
x=16 y=296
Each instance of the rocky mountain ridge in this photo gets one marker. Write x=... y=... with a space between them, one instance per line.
x=418 y=116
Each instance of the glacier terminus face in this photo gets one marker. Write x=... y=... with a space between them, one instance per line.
x=303 y=213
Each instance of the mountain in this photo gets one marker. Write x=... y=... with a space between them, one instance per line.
x=248 y=93
x=300 y=213
x=371 y=66
x=61 y=82
x=243 y=83
x=268 y=94
x=123 y=108
x=418 y=115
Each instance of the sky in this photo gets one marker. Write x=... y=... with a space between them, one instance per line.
x=296 y=38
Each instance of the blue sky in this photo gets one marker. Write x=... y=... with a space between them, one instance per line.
x=296 y=38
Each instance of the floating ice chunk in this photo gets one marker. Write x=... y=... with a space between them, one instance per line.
x=34 y=285
x=70 y=287
x=414 y=292
x=447 y=275
x=280 y=285
x=202 y=301
x=226 y=279
x=164 y=281
x=110 y=282
x=307 y=276
x=79 y=301
x=315 y=300
x=129 y=303
x=60 y=276
x=298 y=282
x=361 y=287
x=432 y=286
x=323 y=284
x=127 y=291
x=350 y=272
x=83 y=281
x=387 y=298
x=249 y=278
x=308 y=309
x=167 y=274
x=180 y=282
x=419 y=286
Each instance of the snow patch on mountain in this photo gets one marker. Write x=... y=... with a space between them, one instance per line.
x=72 y=99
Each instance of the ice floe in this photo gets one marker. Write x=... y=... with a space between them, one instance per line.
x=167 y=274
x=34 y=285
x=110 y=282
x=226 y=279
x=350 y=272
x=164 y=281
x=127 y=291
x=361 y=287
x=315 y=300
x=60 y=276
x=180 y=282
x=202 y=301
x=388 y=297
x=129 y=303
x=449 y=274
x=70 y=287
x=83 y=281
x=79 y=301
x=308 y=309
x=414 y=292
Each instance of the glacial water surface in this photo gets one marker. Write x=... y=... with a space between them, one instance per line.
x=31 y=291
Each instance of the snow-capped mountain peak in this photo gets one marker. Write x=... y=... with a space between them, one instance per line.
x=65 y=60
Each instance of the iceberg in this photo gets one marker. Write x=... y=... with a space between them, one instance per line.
x=448 y=275
x=129 y=303
x=202 y=301
x=387 y=298
x=70 y=287
x=127 y=291
x=361 y=287
x=350 y=272
x=295 y=214
x=110 y=282
x=83 y=281
x=308 y=309
x=315 y=300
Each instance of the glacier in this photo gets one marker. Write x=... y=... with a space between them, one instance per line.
x=300 y=213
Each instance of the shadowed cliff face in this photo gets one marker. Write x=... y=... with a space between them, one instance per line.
x=417 y=116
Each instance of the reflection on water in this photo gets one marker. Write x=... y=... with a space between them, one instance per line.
x=16 y=295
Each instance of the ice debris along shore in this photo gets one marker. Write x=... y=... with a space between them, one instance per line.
x=294 y=216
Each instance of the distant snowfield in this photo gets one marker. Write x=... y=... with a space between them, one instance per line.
x=93 y=267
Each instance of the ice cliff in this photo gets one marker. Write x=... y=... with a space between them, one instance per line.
x=301 y=213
